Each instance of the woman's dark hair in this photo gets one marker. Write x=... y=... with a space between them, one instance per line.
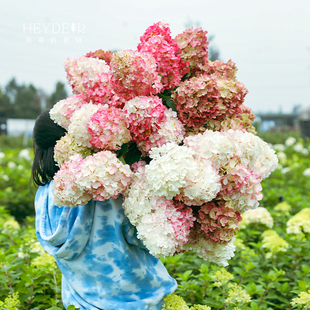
x=45 y=135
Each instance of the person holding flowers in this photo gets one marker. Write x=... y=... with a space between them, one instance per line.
x=153 y=154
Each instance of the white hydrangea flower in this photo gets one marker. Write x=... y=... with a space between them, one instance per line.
x=11 y=165
x=306 y=172
x=79 y=120
x=175 y=172
x=167 y=172
x=298 y=147
x=290 y=141
x=2 y=155
x=255 y=153
x=203 y=184
x=213 y=145
x=259 y=215
x=285 y=170
x=279 y=147
x=24 y=154
x=212 y=252
x=160 y=225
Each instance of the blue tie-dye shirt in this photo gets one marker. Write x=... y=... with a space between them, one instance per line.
x=104 y=265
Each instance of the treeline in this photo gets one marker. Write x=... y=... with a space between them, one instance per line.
x=27 y=101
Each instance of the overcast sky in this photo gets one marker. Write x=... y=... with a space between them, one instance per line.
x=268 y=39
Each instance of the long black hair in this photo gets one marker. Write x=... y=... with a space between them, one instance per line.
x=45 y=135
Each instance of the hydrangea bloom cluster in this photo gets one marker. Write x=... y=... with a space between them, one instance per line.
x=194 y=46
x=273 y=243
x=144 y=116
x=90 y=77
x=299 y=223
x=260 y=215
x=63 y=110
x=157 y=42
x=237 y=295
x=66 y=147
x=218 y=222
x=100 y=176
x=167 y=128
x=134 y=74
x=108 y=129
x=100 y=54
x=163 y=225
x=175 y=302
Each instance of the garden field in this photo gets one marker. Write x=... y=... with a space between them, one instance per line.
x=270 y=270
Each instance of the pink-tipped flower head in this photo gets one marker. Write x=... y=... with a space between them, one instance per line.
x=218 y=222
x=197 y=100
x=194 y=47
x=90 y=76
x=63 y=110
x=101 y=54
x=134 y=74
x=158 y=42
x=144 y=116
x=67 y=191
x=108 y=130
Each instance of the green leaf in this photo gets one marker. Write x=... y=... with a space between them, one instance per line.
x=254 y=305
x=302 y=285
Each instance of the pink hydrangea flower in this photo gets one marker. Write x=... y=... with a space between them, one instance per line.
x=144 y=116
x=225 y=70
x=91 y=77
x=235 y=179
x=159 y=29
x=103 y=175
x=134 y=74
x=67 y=191
x=194 y=47
x=171 y=130
x=218 y=222
x=138 y=166
x=101 y=54
x=63 y=110
x=157 y=42
x=197 y=100
x=108 y=130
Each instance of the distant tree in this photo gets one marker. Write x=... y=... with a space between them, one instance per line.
x=59 y=94
x=6 y=107
x=20 y=101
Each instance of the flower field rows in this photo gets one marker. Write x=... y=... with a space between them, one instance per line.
x=270 y=269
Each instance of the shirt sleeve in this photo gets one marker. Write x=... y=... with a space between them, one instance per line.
x=62 y=231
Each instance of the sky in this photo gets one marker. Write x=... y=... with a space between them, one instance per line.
x=269 y=40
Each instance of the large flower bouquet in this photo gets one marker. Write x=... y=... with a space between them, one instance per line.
x=166 y=128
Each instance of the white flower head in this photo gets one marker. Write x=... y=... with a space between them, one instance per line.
x=290 y=141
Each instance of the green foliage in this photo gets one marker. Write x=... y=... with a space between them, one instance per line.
x=277 y=137
x=16 y=142
x=17 y=193
x=263 y=274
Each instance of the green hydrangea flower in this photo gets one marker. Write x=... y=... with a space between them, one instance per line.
x=10 y=303
x=174 y=302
